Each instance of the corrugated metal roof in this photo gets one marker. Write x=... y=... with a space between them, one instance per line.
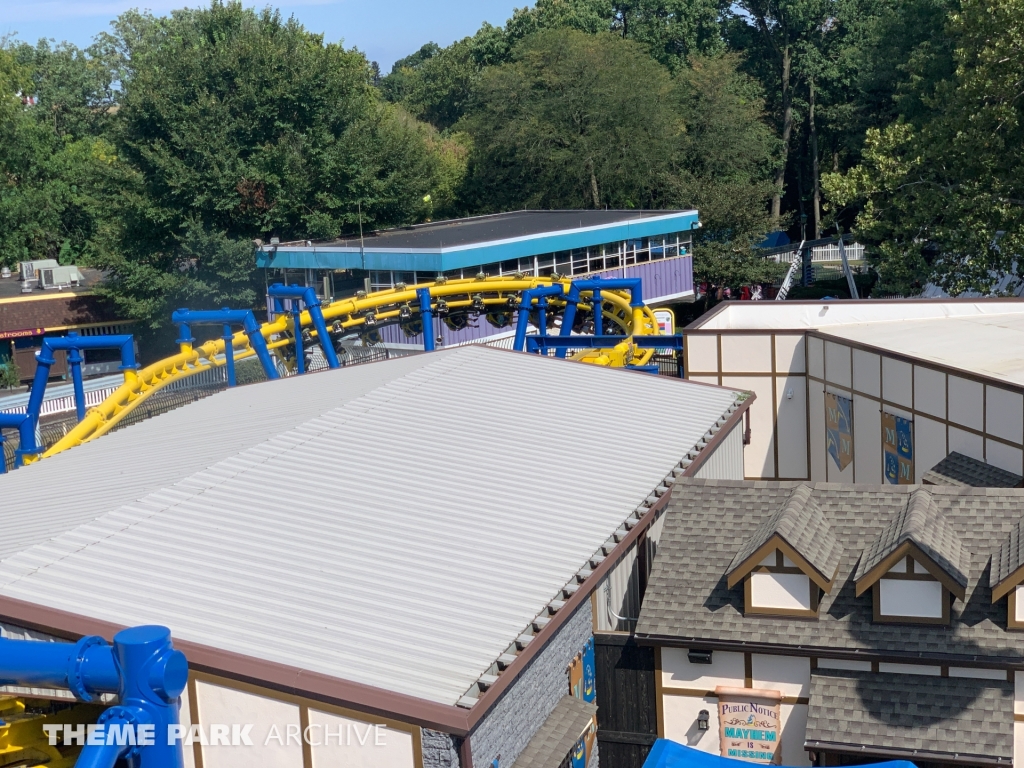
x=397 y=524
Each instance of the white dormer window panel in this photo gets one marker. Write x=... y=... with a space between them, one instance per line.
x=786 y=591
x=1015 y=608
x=910 y=598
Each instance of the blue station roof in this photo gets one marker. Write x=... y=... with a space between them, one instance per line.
x=671 y=754
x=459 y=243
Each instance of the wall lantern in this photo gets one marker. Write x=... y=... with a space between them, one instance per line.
x=702 y=720
x=698 y=656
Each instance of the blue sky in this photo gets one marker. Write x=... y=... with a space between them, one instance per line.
x=385 y=30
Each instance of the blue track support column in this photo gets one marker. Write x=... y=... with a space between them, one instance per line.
x=229 y=353
x=596 y=303
x=526 y=307
x=185 y=318
x=300 y=354
x=427 y=318
x=316 y=315
x=75 y=361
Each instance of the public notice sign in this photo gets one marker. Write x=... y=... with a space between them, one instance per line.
x=839 y=429
x=898 y=449
x=748 y=721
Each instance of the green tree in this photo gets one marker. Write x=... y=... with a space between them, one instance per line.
x=236 y=124
x=941 y=195
x=574 y=121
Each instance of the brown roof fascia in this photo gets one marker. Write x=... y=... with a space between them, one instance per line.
x=866 y=581
x=1004 y=587
x=721 y=434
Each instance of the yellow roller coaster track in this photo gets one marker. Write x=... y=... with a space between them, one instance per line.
x=345 y=314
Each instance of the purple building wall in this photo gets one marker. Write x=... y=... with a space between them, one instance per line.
x=664 y=279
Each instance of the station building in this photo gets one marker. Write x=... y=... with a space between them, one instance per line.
x=852 y=624
x=871 y=391
x=655 y=246
x=428 y=544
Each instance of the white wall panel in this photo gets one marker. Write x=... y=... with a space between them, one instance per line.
x=1018 y=693
x=794 y=733
x=815 y=357
x=966 y=402
x=816 y=409
x=1003 y=456
x=792 y=426
x=356 y=744
x=978 y=673
x=896 y=382
x=704 y=379
x=726 y=459
x=791 y=675
x=789 y=353
x=837 y=364
x=930 y=391
x=1018 y=743
x=185 y=718
x=702 y=353
x=1019 y=612
x=910 y=669
x=967 y=443
x=680 y=716
x=747 y=354
x=929 y=444
x=867 y=440
x=759 y=456
x=867 y=372
x=726 y=668
x=791 y=591
x=1004 y=414
x=220 y=705
x=906 y=597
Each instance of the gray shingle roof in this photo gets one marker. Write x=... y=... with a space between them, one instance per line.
x=921 y=523
x=800 y=524
x=915 y=713
x=560 y=732
x=960 y=470
x=687 y=598
x=1010 y=555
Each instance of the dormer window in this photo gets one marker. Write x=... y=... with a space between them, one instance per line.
x=916 y=566
x=1007 y=576
x=788 y=562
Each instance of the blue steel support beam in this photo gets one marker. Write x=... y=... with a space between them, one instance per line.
x=26 y=434
x=229 y=353
x=544 y=343
x=632 y=284
x=141 y=667
x=186 y=318
x=526 y=307
x=427 y=317
x=316 y=314
x=75 y=361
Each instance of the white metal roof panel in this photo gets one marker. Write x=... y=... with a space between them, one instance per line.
x=402 y=538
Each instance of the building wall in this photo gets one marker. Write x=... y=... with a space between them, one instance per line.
x=512 y=722
x=769 y=363
x=791 y=371
x=684 y=689
x=950 y=410
x=725 y=461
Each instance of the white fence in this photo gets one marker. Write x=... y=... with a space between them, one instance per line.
x=854 y=252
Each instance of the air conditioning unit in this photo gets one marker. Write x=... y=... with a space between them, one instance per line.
x=30 y=269
x=59 y=277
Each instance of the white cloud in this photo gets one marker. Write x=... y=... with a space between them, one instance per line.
x=14 y=11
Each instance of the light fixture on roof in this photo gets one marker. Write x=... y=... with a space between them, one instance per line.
x=703 y=720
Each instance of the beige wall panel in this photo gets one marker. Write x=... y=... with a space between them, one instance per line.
x=789 y=674
x=726 y=668
x=747 y=354
x=1004 y=414
x=789 y=354
x=1018 y=694
x=339 y=741
x=896 y=382
x=759 y=456
x=967 y=443
x=816 y=409
x=929 y=445
x=815 y=357
x=1018 y=743
x=837 y=364
x=185 y=718
x=704 y=379
x=930 y=391
x=702 y=353
x=867 y=440
x=966 y=402
x=910 y=669
x=794 y=732
x=978 y=674
x=1003 y=456
x=850 y=664
x=867 y=368
x=792 y=426
x=680 y=715
x=220 y=705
